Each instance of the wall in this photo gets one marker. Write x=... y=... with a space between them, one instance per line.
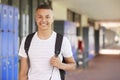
x=60 y=11
x=84 y=21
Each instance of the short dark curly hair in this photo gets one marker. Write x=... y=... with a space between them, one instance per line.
x=44 y=6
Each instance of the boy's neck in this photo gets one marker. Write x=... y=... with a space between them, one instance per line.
x=44 y=34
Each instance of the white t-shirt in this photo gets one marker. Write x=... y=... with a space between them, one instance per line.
x=40 y=53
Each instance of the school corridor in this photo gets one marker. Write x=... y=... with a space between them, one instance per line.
x=91 y=26
x=103 y=67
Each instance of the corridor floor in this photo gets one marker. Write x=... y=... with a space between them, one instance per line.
x=102 y=67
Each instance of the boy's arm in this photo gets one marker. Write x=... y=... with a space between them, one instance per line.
x=23 y=69
x=69 y=64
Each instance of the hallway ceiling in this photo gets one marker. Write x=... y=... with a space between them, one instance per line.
x=95 y=9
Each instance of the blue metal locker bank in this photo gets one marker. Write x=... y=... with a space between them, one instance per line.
x=15 y=67
x=0 y=45
x=15 y=44
x=0 y=31
x=4 y=27
x=8 y=42
x=15 y=29
x=4 y=69
x=4 y=41
x=10 y=31
x=10 y=68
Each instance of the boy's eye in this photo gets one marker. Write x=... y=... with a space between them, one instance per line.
x=39 y=16
x=47 y=17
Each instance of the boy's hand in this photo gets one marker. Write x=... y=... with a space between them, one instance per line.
x=55 y=61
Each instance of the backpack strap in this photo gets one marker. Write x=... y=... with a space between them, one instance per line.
x=27 y=45
x=28 y=42
x=58 y=44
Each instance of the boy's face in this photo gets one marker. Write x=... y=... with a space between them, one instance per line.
x=44 y=18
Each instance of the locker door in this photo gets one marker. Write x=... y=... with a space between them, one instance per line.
x=16 y=16
x=4 y=69
x=15 y=67
x=10 y=18
x=15 y=44
x=10 y=68
x=4 y=44
x=4 y=16
x=0 y=30
x=0 y=68
x=10 y=43
x=10 y=30
x=0 y=43
x=4 y=27
x=0 y=16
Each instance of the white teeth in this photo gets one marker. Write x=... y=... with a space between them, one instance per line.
x=43 y=24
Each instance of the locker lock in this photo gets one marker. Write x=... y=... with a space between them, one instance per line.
x=8 y=30
x=2 y=30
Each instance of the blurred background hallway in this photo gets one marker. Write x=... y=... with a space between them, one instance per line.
x=105 y=66
x=92 y=26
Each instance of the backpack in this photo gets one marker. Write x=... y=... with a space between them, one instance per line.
x=58 y=44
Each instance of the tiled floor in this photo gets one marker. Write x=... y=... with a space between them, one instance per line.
x=105 y=66
x=102 y=67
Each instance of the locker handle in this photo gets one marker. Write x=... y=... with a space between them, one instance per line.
x=2 y=30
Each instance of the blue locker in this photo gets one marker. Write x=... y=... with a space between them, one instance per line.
x=4 y=44
x=16 y=19
x=10 y=30
x=4 y=16
x=0 y=68
x=0 y=16
x=10 y=43
x=15 y=44
x=4 y=69
x=0 y=30
x=16 y=15
x=4 y=27
x=15 y=67
x=10 y=68
x=10 y=18
x=0 y=43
